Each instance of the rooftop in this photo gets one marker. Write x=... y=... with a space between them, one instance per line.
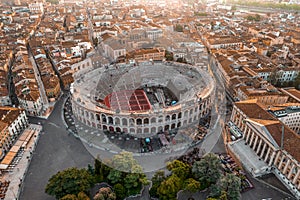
x=9 y=114
x=257 y=113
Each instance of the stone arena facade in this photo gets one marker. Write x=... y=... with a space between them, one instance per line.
x=191 y=87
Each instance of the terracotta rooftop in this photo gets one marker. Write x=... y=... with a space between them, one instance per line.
x=294 y=92
x=253 y=109
x=2 y=126
x=9 y=114
x=291 y=140
x=256 y=112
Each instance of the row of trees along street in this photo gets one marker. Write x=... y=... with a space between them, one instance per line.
x=122 y=176
x=203 y=175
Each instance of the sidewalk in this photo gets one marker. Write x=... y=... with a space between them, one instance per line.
x=17 y=175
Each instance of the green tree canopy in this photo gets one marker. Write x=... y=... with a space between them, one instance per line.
x=53 y=1
x=105 y=194
x=69 y=181
x=115 y=176
x=69 y=197
x=228 y=187
x=169 y=56
x=178 y=28
x=131 y=181
x=126 y=171
x=82 y=196
x=126 y=163
x=157 y=179
x=102 y=170
x=179 y=168
x=231 y=184
x=169 y=188
x=208 y=169
x=191 y=185
x=120 y=191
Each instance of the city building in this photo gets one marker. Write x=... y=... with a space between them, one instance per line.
x=267 y=144
x=36 y=7
x=114 y=48
x=12 y=123
x=289 y=114
x=4 y=93
x=141 y=55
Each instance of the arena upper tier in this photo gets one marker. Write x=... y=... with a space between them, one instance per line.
x=143 y=99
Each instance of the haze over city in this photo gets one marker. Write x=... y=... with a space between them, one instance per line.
x=140 y=99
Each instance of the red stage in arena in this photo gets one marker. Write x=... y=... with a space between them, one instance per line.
x=128 y=100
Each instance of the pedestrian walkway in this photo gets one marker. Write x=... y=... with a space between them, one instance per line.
x=15 y=175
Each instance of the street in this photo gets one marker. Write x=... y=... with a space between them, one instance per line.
x=55 y=151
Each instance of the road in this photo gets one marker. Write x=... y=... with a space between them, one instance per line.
x=213 y=141
x=38 y=78
x=56 y=151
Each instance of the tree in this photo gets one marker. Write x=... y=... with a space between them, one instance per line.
x=191 y=185
x=53 y=1
x=69 y=181
x=105 y=193
x=102 y=169
x=181 y=60
x=178 y=28
x=120 y=191
x=253 y=18
x=157 y=179
x=126 y=163
x=228 y=187
x=169 y=188
x=98 y=174
x=169 y=56
x=69 y=197
x=231 y=184
x=215 y=191
x=179 y=168
x=207 y=170
x=115 y=176
x=126 y=171
x=91 y=170
x=82 y=196
x=131 y=181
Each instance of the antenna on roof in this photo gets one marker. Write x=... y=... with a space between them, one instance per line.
x=282 y=137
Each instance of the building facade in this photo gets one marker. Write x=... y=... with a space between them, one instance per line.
x=192 y=106
x=36 y=7
x=13 y=122
x=271 y=147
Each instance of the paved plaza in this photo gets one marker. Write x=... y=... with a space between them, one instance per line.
x=56 y=151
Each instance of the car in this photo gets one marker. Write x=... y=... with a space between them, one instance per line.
x=232 y=138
